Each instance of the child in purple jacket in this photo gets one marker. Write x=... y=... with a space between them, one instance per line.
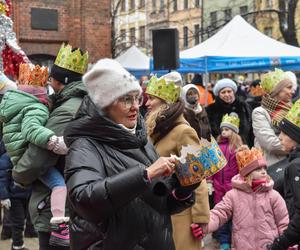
x=258 y=212
x=229 y=141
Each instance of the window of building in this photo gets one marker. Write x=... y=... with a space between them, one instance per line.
x=185 y=37
x=123 y=39
x=197 y=33
x=213 y=19
x=227 y=15
x=142 y=3
x=268 y=31
x=132 y=36
x=197 y=3
x=153 y=5
x=186 y=4
x=269 y=3
x=162 y=5
x=142 y=31
x=123 y=5
x=132 y=4
x=175 y=7
x=243 y=11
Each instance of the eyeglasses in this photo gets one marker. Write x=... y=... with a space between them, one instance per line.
x=129 y=100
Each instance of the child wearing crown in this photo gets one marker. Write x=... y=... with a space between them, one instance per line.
x=229 y=140
x=24 y=113
x=259 y=214
x=290 y=140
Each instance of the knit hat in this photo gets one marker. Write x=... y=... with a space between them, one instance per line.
x=290 y=125
x=70 y=64
x=6 y=84
x=249 y=160
x=274 y=81
x=107 y=81
x=166 y=87
x=224 y=83
x=231 y=121
x=293 y=79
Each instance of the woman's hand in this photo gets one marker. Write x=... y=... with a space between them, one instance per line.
x=164 y=166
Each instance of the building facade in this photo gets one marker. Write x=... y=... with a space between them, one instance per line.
x=42 y=26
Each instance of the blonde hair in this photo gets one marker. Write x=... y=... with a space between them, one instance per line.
x=235 y=141
x=153 y=116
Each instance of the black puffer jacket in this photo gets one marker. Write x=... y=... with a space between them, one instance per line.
x=112 y=205
x=215 y=112
x=292 y=197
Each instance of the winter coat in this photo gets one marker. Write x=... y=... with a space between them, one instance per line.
x=7 y=187
x=36 y=160
x=23 y=117
x=199 y=122
x=266 y=136
x=292 y=197
x=222 y=179
x=257 y=217
x=113 y=205
x=216 y=111
x=179 y=136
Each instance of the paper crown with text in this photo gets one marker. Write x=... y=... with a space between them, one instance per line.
x=72 y=60
x=33 y=75
x=271 y=79
x=164 y=89
x=198 y=162
x=249 y=160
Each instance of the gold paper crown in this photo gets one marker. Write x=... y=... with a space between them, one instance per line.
x=33 y=75
x=246 y=156
x=271 y=79
x=72 y=60
x=166 y=90
x=294 y=114
x=3 y=8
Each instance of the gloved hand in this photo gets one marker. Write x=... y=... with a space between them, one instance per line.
x=6 y=203
x=197 y=231
x=60 y=147
x=280 y=243
x=183 y=192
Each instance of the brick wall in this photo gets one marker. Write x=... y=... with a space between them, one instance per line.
x=82 y=23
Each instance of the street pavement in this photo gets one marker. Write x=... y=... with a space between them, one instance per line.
x=32 y=243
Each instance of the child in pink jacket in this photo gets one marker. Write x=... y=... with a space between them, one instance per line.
x=259 y=214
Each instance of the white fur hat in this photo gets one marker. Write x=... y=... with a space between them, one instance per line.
x=224 y=83
x=293 y=78
x=107 y=81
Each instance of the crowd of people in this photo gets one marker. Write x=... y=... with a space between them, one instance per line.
x=94 y=163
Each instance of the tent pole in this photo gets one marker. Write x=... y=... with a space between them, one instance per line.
x=205 y=80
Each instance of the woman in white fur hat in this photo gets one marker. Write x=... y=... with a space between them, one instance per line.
x=112 y=170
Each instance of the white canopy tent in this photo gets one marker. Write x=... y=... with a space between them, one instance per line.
x=135 y=61
x=238 y=46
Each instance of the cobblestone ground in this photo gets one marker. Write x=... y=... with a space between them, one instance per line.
x=32 y=243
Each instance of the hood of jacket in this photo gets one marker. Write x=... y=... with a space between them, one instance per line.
x=102 y=129
x=13 y=102
x=239 y=182
x=74 y=89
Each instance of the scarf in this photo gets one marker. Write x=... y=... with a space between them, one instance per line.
x=257 y=183
x=166 y=122
x=276 y=109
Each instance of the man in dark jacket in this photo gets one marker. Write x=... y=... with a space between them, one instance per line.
x=69 y=92
x=290 y=139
